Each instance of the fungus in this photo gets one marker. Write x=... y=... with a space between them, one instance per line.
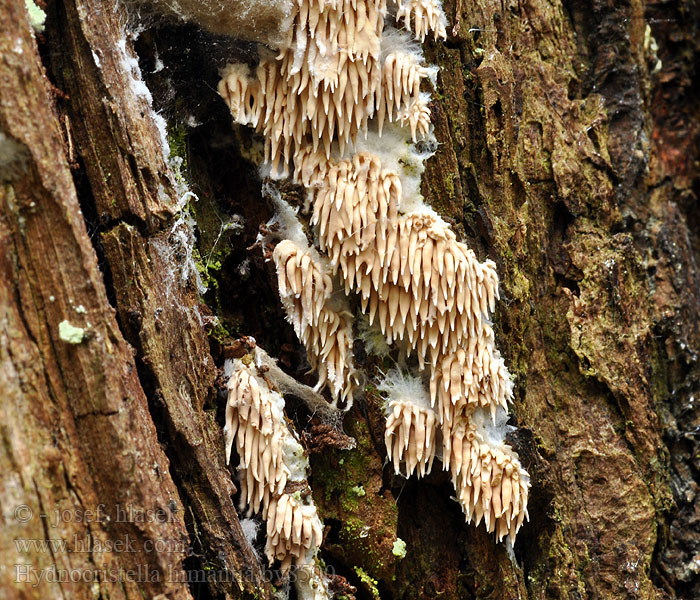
x=306 y=291
x=272 y=470
x=342 y=72
x=489 y=480
x=326 y=83
x=473 y=376
x=411 y=427
x=427 y=15
x=410 y=272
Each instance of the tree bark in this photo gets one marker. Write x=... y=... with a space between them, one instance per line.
x=569 y=154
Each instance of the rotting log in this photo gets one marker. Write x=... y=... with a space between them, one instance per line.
x=78 y=442
x=569 y=155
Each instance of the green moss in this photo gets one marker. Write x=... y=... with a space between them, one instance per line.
x=207 y=270
x=450 y=185
x=214 y=230
x=177 y=140
x=363 y=537
x=347 y=487
x=368 y=582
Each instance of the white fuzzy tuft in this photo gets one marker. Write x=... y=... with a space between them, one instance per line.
x=492 y=429
x=250 y=529
x=130 y=66
x=404 y=387
x=228 y=368
x=398 y=40
x=294 y=458
x=286 y=217
x=398 y=154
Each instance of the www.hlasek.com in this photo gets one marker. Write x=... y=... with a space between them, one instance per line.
x=89 y=544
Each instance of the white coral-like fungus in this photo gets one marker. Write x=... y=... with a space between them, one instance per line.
x=272 y=468
x=306 y=291
x=340 y=70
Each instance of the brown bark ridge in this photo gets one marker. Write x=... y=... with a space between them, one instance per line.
x=96 y=450
x=569 y=154
x=78 y=442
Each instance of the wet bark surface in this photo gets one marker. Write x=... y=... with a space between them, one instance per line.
x=569 y=154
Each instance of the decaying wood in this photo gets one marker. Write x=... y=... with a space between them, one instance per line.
x=569 y=154
x=107 y=455
x=166 y=323
x=78 y=442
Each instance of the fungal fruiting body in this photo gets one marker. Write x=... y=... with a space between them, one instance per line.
x=421 y=17
x=340 y=109
x=411 y=429
x=306 y=291
x=328 y=80
x=272 y=470
x=487 y=475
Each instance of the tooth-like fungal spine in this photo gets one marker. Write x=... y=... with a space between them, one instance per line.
x=339 y=108
x=411 y=425
x=306 y=290
x=421 y=17
x=272 y=471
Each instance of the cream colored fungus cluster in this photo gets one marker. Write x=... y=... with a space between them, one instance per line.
x=425 y=15
x=322 y=105
x=328 y=80
x=306 y=291
x=272 y=471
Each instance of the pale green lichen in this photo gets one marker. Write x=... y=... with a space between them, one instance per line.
x=69 y=333
x=399 y=548
x=358 y=490
x=37 y=17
